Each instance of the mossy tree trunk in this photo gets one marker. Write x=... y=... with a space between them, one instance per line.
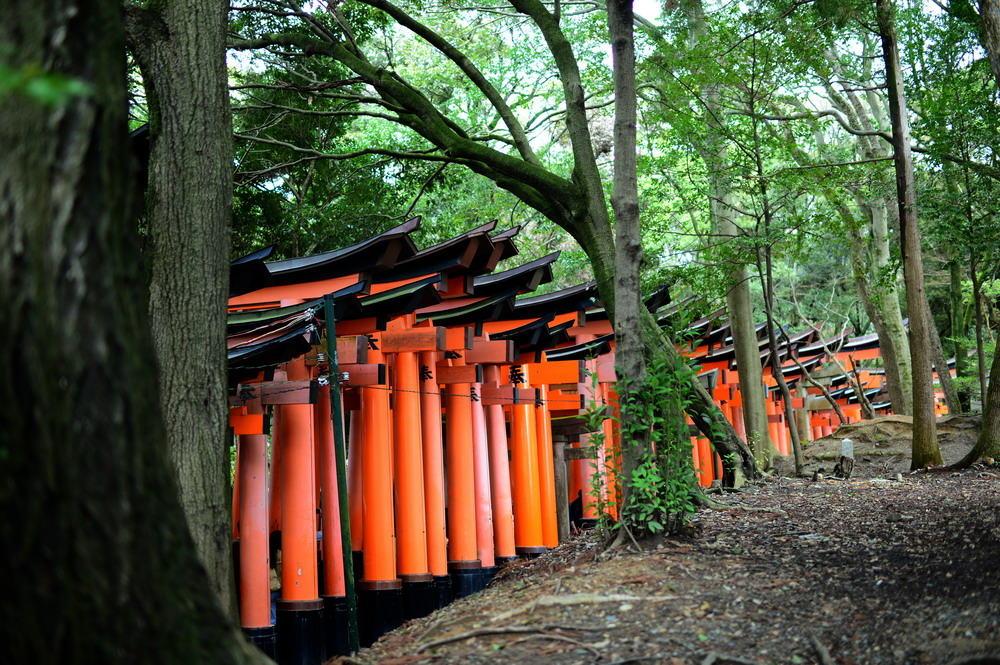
x=100 y=565
x=630 y=359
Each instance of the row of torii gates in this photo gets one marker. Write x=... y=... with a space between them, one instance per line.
x=456 y=436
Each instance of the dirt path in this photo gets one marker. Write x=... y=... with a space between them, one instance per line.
x=871 y=570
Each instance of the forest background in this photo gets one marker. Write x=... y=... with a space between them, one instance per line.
x=764 y=150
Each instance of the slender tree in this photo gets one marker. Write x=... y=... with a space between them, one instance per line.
x=925 y=450
x=102 y=567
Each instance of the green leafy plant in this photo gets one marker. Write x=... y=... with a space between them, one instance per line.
x=661 y=484
x=35 y=83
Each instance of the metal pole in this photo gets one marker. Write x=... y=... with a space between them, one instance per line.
x=338 y=442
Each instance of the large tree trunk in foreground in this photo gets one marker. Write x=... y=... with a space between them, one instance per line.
x=925 y=446
x=180 y=45
x=100 y=565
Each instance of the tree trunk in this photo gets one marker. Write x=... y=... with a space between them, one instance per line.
x=715 y=155
x=630 y=360
x=941 y=367
x=101 y=567
x=882 y=307
x=988 y=443
x=977 y=298
x=180 y=45
x=989 y=12
x=925 y=446
x=958 y=326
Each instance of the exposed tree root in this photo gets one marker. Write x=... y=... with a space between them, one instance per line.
x=582 y=599
x=821 y=651
x=717 y=659
x=534 y=632
x=716 y=505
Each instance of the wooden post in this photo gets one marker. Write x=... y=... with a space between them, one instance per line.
x=561 y=481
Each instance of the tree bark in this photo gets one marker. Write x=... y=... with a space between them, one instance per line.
x=942 y=369
x=630 y=360
x=989 y=12
x=101 y=567
x=180 y=45
x=925 y=449
x=871 y=257
x=958 y=326
x=988 y=443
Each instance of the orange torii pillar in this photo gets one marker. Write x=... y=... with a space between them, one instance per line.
x=481 y=463
x=434 y=492
x=706 y=462
x=591 y=471
x=405 y=343
x=463 y=562
x=380 y=591
x=300 y=610
x=612 y=450
x=254 y=581
x=528 y=537
x=355 y=483
x=274 y=509
x=546 y=469
x=736 y=410
x=411 y=533
x=334 y=588
x=500 y=488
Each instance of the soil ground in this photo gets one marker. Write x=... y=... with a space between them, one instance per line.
x=887 y=567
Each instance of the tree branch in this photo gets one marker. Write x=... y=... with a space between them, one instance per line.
x=468 y=68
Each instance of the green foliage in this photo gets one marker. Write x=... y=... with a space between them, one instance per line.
x=653 y=427
x=43 y=87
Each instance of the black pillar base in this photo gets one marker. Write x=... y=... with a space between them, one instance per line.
x=380 y=609
x=358 y=561
x=488 y=573
x=335 y=626
x=300 y=632
x=585 y=523
x=265 y=639
x=442 y=591
x=418 y=596
x=501 y=560
x=530 y=552
x=466 y=577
